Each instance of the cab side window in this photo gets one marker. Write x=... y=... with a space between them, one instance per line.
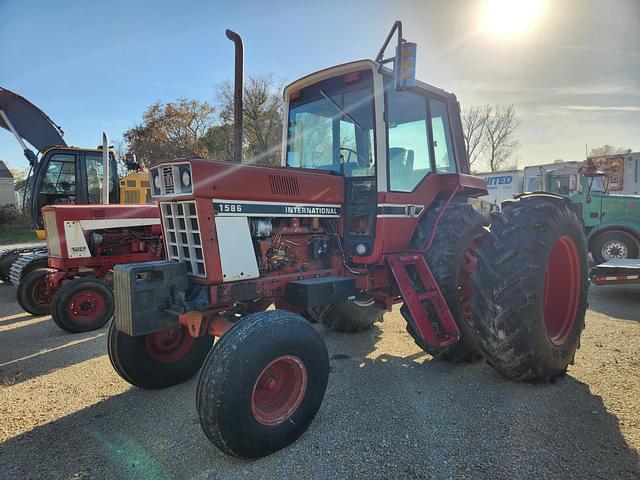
x=409 y=153
x=95 y=178
x=442 y=144
x=60 y=177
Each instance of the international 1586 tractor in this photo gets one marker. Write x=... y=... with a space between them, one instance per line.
x=85 y=236
x=372 y=207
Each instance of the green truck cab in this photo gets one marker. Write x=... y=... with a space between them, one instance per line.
x=611 y=222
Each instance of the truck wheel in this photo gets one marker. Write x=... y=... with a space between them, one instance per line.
x=157 y=360
x=348 y=317
x=82 y=305
x=613 y=245
x=452 y=260
x=531 y=288
x=263 y=384
x=31 y=292
x=6 y=260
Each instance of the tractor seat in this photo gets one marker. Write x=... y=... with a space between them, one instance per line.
x=401 y=168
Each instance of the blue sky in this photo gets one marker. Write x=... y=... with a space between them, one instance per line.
x=92 y=66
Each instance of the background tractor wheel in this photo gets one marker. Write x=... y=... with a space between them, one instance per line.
x=31 y=292
x=263 y=384
x=531 y=288
x=613 y=245
x=349 y=317
x=82 y=305
x=452 y=260
x=6 y=260
x=157 y=360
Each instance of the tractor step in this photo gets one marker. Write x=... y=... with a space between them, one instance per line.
x=430 y=313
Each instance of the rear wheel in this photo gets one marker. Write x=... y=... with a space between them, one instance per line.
x=263 y=384
x=614 y=245
x=82 y=305
x=32 y=292
x=157 y=360
x=348 y=317
x=531 y=288
x=452 y=260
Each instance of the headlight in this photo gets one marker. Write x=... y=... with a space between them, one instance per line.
x=186 y=178
x=156 y=181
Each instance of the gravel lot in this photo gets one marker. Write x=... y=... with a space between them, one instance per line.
x=389 y=412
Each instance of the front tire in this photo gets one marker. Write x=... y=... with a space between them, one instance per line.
x=31 y=292
x=613 y=245
x=82 y=305
x=263 y=384
x=531 y=288
x=157 y=360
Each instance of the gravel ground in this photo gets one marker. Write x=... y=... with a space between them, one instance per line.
x=389 y=412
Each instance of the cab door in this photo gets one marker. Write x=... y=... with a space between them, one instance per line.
x=420 y=151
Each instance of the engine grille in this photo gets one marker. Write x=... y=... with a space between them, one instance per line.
x=182 y=234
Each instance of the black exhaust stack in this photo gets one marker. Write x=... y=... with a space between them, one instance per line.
x=238 y=87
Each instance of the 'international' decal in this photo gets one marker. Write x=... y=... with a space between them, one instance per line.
x=272 y=209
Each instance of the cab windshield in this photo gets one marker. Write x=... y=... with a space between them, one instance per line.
x=331 y=126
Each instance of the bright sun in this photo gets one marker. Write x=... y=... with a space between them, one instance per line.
x=511 y=17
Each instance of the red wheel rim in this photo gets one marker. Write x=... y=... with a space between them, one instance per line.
x=39 y=292
x=279 y=390
x=169 y=346
x=86 y=306
x=468 y=266
x=561 y=290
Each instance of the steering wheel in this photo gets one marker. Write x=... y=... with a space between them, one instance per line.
x=351 y=152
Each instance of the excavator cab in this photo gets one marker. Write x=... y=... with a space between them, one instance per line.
x=61 y=174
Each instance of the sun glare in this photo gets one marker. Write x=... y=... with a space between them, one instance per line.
x=511 y=17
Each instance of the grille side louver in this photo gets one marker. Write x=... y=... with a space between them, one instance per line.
x=284 y=185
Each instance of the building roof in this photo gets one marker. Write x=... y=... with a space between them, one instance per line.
x=4 y=171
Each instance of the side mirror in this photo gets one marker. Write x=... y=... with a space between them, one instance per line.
x=404 y=67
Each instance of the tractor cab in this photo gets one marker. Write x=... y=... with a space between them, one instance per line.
x=391 y=145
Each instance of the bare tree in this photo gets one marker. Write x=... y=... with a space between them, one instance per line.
x=474 y=120
x=499 y=129
x=262 y=117
x=605 y=150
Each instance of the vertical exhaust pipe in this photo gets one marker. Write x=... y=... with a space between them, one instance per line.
x=238 y=88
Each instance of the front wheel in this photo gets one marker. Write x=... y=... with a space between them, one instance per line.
x=263 y=384
x=614 y=245
x=157 y=360
x=32 y=293
x=82 y=305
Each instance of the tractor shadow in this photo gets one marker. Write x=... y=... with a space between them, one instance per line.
x=617 y=301
x=34 y=346
x=383 y=416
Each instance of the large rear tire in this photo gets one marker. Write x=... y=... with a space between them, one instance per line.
x=157 y=360
x=31 y=292
x=82 y=305
x=452 y=261
x=263 y=384
x=531 y=288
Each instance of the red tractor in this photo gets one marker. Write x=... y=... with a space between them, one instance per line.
x=372 y=207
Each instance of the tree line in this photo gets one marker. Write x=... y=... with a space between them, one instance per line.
x=188 y=128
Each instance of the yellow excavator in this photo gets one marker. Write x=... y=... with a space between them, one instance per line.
x=60 y=174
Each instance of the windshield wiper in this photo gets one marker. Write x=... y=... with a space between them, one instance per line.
x=340 y=109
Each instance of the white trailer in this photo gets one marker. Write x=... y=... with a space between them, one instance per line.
x=502 y=185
